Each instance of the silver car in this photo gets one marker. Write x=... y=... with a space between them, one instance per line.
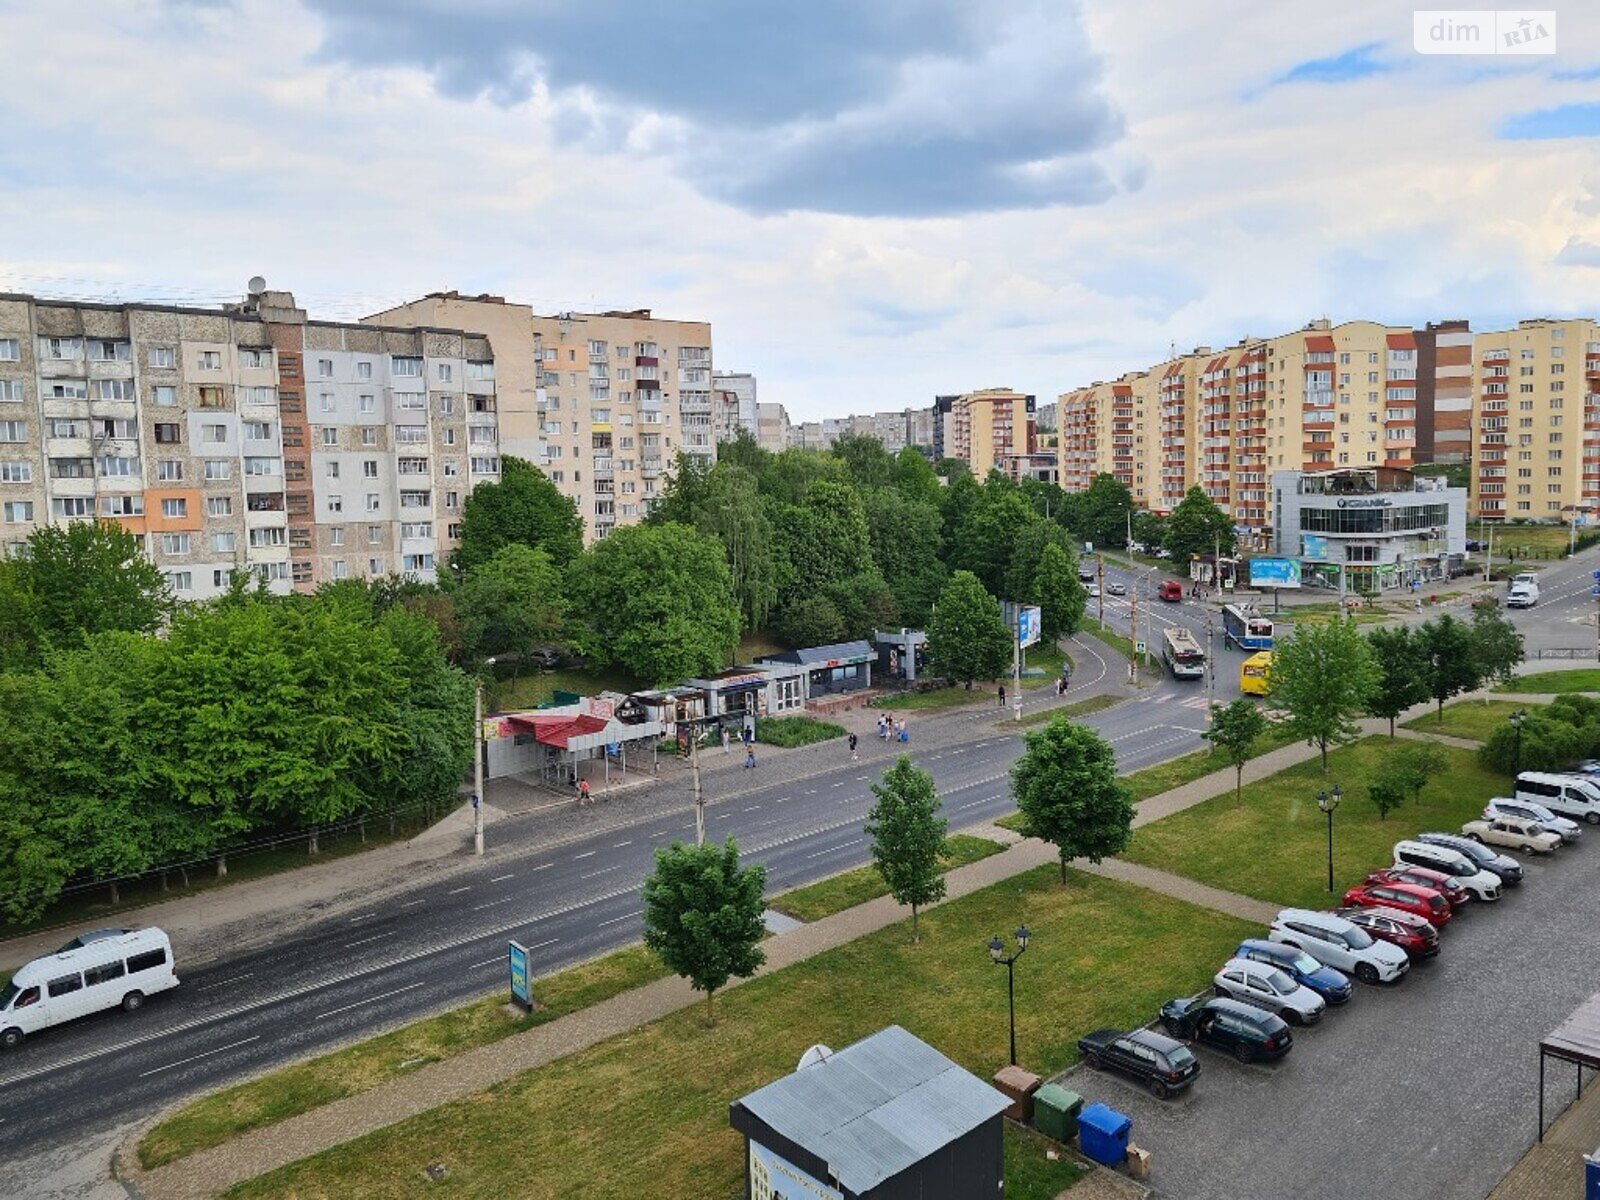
x=1265 y=986
x=1527 y=810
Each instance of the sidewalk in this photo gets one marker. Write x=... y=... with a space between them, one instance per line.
x=1554 y=1167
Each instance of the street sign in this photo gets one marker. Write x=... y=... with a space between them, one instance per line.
x=1138 y=647
x=521 y=981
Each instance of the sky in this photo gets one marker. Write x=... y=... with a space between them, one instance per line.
x=871 y=203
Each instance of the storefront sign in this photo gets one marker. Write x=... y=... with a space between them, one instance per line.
x=1365 y=502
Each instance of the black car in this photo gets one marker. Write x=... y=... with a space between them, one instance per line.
x=1163 y=1065
x=1503 y=865
x=1244 y=1031
x=546 y=657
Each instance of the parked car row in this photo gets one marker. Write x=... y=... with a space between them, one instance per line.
x=1387 y=922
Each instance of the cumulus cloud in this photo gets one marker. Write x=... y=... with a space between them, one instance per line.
x=896 y=108
x=1579 y=252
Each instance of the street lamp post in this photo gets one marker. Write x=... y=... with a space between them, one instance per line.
x=1516 y=720
x=477 y=769
x=997 y=952
x=1327 y=802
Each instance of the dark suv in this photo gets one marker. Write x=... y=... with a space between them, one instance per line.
x=1503 y=865
x=1242 y=1030
x=1333 y=986
x=1161 y=1064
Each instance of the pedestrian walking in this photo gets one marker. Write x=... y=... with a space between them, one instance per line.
x=727 y=740
x=749 y=755
x=1002 y=695
x=583 y=793
x=853 y=755
x=881 y=720
x=903 y=735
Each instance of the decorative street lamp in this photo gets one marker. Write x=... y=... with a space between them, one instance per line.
x=997 y=952
x=1516 y=720
x=1327 y=802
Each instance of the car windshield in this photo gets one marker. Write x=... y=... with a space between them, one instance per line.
x=1279 y=982
x=1358 y=938
x=1179 y=1057
x=1305 y=964
x=7 y=996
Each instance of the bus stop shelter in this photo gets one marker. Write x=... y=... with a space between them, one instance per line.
x=1576 y=1040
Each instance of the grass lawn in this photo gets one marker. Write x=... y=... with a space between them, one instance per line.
x=1467 y=719
x=646 y=1113
x=1078 y=708
x=796 y=731
x=1030 y=1172
x=1529 y=541
x=1272 y=844
x=275 y=1097
x=850 y=888
x=1546 y=683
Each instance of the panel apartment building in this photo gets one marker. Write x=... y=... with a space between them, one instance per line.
x=243 y=438
x=601 y=402
x=991 y=429
x=1321 y=396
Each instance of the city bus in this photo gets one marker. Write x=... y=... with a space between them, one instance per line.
x=1182 y=654
x=1246 y=628
x=1255 y=674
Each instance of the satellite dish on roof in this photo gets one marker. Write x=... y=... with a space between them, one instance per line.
x=256 y=286
x=818 y=1053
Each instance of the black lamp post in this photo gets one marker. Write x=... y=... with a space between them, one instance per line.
x=997 y=951
x=1516 y=720
x=1327 y=802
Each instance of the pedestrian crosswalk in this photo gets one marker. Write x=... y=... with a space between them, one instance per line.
x=1198 y=703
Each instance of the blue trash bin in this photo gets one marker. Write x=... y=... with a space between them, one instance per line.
x=1103 y=1134
x=1591 y=1176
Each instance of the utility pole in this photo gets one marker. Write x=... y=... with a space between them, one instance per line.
x=1100 y=569
x=1488 y=556
x=699 y=798
x=1016 y=664
x=477 y=769
x=1133 y=631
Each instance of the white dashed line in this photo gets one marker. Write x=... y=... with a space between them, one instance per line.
x=375 y=937
x=225 y=982
x=752 y=808
x=502 y=878
x=458 y=891
x=602 y=871
x=542 y=866
x=333 y=1012
x=623 y=917
x=412 y=903
x=495 y=903
x=620 y=845
x=585 y=854
x=197 y=1057
x=362 y=917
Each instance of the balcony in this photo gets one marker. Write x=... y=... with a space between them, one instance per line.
x=646 y=360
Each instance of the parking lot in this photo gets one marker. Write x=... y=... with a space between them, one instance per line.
x=1428 y=1087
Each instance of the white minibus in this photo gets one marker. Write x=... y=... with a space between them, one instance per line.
x=108 y=968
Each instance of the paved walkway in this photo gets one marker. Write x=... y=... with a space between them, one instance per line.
x=1553 y=1169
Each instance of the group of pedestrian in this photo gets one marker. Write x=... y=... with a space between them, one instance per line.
x=748 y=736
x=891 y=730
x=1063 y=682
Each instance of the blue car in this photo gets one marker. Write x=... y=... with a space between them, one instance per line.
x=1333 y=986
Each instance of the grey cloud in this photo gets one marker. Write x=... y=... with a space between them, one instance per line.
x=1579 y=253
x=897 y=108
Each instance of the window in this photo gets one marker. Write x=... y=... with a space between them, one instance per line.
x=60 y=348
x=326 y=400
x=122 y=506
x=369 y=468
x=114 y=389
x=67 y=390
x=69 y=508
x=163 y=356
x=405 y=367
x=364 y=369
x=18 y=512
x=335 y=503
x=251 y=356
x=174 y=543
x=16 y=472
x=10 y=350
x=368 y=402
x=219 y=506
x=262 y=466
x=213 y=434
x=11 y=391
x=374 y=502
x=449 y=437
x=164 y=396
x=452 y=500
x=13 y=431
x=147 y=961
x=374 y=534
x=375 y=566
x=272 y=536
x=416 y=529
x=484 y=370
x=213 y=397
x=224 y=543
x=332 y=470
x=104 y=350
x=340 y=569
x=369 y=435
x=168 y=434
x=119 y=468
x=409 y=466
x=219 y=468
x=258 y=431
x=336 y=537
x=210 y=360
x=104 y=973
x=330 y=436
x=175 y=508
x=417 y=562
x=64 y=985
x=324 y=368
x=268 y=572
x=169 y=470
x=69 y=429
x=447 y=372
x=486 y=466
x=410 y=435
x=447 y=405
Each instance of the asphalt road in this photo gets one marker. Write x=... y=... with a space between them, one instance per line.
x=443 y=942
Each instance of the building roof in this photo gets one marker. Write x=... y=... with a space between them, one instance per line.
x=1577 y=1039
x=821 y=654
x=876 y=1108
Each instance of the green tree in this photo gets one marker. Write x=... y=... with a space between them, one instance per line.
x=1402 y=679
x=73 y=581
x=825 y=537
x=905 y=535
x=1386 y=796
x=915 y=478
x=1150 y=529
x=684 y=493
x=658 y=601
x=1066 y=786
x=1323 y=676
x=733 y=511
x=523 y=507
x=811 y=621
x=868 y=463
x=908 y=836
x=790 y=476
x=1497 y=647
x=1196 y=525
x=702 y=915
x=1104 y=513
x=1235 y=729
x=1411 y=764
x=967 y=637
x=984 y=540
x=1448 y=659
x=1058 y=593
x=745 y=452
x=1018 y=580
x=512 y=604
x=1546 y=744
x=865 y=603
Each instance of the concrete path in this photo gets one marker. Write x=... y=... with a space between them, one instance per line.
x=1444 y=739
x=1553 y=1168
x=1231 y=903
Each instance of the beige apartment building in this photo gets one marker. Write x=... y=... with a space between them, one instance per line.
x=1536 y=417
x=243 y=438
x=1321 y=396
x=601 y=402
x=988 y=427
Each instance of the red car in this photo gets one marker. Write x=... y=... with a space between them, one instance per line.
x=1413 y=934
x=1407 y=897
x=1423 y=877
x=1170 y=590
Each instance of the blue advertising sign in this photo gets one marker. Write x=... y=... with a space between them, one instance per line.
x=1314 y=547
x=1024 y=620
x=1275 y=572
x=521 y=979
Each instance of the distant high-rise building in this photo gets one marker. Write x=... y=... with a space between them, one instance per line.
x=742 y=384
x=772 y=427
x=989 y=426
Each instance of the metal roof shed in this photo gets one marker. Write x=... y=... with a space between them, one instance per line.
x=888 y=1118
x=1576 y=1040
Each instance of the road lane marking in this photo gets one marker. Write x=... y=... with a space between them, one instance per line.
x=412 y=903
x=459 y=890
x=503 y=878
x=375 y=937
x=542 y=866
x=333 y=1012
x=603 y=871
x=752 y=808
x=620 y=845
x=624 y=917
x=585 y=854
x=495 y=903
x=362 y=917
x=500 y=958
x=224 y=982
x=197 y=1057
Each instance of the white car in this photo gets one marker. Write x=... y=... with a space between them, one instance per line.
x=1335 y=942
x=1094 y=591
x=1501 y=806
x=1265 y=986
x=1116 y=589
x=1523 y=595
x=1513 y=832
x=1484 y=885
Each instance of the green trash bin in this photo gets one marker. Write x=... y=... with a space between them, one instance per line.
x=1055 y=1112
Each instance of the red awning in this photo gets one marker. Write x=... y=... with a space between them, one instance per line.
x=1317 y=343
x=556 y=731
x=1401 y=341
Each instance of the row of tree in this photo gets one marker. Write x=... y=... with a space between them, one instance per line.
x=141 y=735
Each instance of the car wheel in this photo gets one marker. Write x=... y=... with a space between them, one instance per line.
x=1525 y=849
x=1367 y=973
x=1158 y=1089
x=1292 y=1017
x=1593 y=818
x=132 y=1001
x=10 y=1038
x=1093 y=1060
x=1242 y=1052
x=1477 y=837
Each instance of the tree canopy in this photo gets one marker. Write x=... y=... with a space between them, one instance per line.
x=511 y=604
x=1323 y=676
x=1196 y=526
x=967 y=638
x=1066 y=786
x=702 y=915
x=523 y=507
x=1402 y=672
x=908 y=836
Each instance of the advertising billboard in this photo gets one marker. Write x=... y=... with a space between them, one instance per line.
x=521 y=976
x=1314 y=547
x=1024 y=621
x=773 y=1177
x=1275 y=572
